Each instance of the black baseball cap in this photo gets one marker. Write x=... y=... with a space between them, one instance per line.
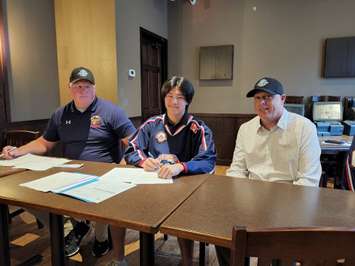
x=268 y=85
x=82 y=73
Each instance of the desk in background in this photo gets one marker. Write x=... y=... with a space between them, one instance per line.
x=141 y=208
x=333 y=159
x=223 y=202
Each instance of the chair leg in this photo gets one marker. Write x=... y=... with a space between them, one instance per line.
x=39 y=224
x=323 y=180
x=203 y=255
x=165 y=237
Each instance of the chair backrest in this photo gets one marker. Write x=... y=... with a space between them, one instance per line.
x=18 y=137
x=306 y=246
x=349 y=171
x=294 y=99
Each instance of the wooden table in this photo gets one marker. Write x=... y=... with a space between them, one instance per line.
x=222 y=202
x=7 y=170
x=142 y=208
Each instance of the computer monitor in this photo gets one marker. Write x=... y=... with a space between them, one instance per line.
x=297 y=108
x=327 y=111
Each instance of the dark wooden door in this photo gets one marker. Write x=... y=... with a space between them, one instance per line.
x=4 y=104
x=153 y=71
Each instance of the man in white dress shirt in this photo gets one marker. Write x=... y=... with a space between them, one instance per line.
x=276 y=145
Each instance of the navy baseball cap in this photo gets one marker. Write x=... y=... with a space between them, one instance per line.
x=82 y=73
x=268 y=85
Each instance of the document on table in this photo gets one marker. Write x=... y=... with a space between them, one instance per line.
x=34 y=162
x=60 y=182
x=98 y=191
x=135 y=176
x=81 y=186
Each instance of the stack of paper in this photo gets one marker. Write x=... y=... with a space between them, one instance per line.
x=60 y=182
x=92 y=188
x=135 y=176
x=34 y=162
x=98 y=191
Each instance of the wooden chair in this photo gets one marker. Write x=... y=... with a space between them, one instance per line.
x=349 y=169
x=19 y=137
x=314 y=246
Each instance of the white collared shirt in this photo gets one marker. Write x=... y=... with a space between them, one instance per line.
x=289 y=152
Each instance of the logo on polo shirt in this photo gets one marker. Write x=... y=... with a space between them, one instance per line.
x=95 y=121
x=67 y=122
x=161 y=136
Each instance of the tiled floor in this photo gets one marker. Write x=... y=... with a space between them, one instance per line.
x=27 y=240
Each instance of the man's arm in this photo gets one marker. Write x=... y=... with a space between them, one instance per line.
x=238 y=167
x=309 y=168
x=39 y=146
x=124 y=146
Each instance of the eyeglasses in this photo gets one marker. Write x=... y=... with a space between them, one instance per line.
x=265 y=98
x=172 y=97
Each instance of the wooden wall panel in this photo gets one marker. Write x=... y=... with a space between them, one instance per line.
x=86 y=36
x=224 y=128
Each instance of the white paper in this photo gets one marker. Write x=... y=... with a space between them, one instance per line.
x=98 y=191
x=136 y=176
x=59 y=182
x=72 y=165
x=34 y=162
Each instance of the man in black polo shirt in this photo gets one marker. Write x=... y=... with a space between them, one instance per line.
x=89 y=128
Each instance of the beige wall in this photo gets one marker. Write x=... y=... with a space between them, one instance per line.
x=131 y=15
x=86 y=36
x=33 y=73
x=281 y=38
x=87 y=33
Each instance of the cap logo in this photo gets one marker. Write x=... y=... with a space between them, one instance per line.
x=83 y=73
x=262 y=83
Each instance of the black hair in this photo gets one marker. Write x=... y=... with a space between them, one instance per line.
x=185 y=86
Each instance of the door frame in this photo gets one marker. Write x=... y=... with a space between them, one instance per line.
x=164 y=58
x=4 y=64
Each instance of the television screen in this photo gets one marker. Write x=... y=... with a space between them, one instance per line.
x=339 y=57
x=327 y=111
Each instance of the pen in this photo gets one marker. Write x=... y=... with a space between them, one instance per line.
x=2 y=155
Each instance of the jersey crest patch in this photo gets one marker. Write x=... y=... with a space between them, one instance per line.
x=95 y=121
x=161 y=137
x=194 y=128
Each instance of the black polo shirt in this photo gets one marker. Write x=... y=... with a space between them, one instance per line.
x=92 y=135
x=181 y=138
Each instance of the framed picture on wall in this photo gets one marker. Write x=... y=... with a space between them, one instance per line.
x=216 y=62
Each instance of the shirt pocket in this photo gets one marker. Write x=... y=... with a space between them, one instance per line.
x=288 y=154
